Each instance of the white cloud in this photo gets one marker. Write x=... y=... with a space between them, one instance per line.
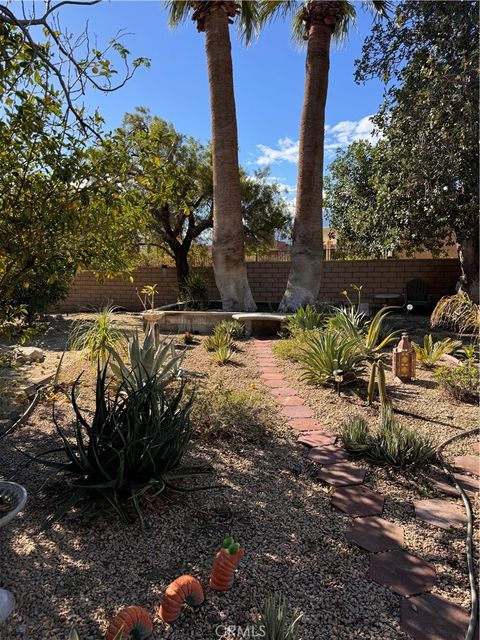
x=339 y=135
x=287 y=151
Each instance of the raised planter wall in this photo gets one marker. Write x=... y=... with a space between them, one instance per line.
x=268 y=280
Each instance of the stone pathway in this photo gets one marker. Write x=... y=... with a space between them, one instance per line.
x=424 y=616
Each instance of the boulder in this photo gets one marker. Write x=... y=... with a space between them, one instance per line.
x=29 y=354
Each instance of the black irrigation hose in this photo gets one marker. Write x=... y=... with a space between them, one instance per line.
x=469 y=543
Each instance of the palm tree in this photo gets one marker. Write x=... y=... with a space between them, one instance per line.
x=213 y=17
x=317 y=22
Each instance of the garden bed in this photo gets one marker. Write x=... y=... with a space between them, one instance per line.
x=81 y=572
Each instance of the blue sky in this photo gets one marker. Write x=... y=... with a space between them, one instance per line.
x=269 y=80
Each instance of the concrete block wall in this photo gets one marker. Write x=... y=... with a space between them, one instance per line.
x=268 y=280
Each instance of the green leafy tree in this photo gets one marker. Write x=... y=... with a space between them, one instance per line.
x=168 y=176
x=428 y=58
x=57 y=210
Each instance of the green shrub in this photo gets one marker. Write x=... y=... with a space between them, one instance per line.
x=133 y=445
x=222 y=413
x=146 y=362
x=275 y=619
x=393 y=444
x=460 y=383
x=233 y=328
x=194 y=291
x=97 y=337
x=304 y=319
x=432 y=351
x=322 y=354
x=347 y=321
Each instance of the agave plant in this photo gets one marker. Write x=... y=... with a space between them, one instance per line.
x=322 y=355
x=147 y=362
x=233 y=328
x=98 y=336
x=219 y=340
x=223 y=354
x=431 y=352
x=133 y=445
x=348 y=321
x=305 y=319
x=275 y=619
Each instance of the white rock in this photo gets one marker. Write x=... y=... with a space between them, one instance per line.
x=29 y=354
x=7 y=604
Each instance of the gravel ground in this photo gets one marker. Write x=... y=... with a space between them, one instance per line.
x=81 y=572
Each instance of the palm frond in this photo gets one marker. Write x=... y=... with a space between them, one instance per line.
x=249 y=21
x=178 y=11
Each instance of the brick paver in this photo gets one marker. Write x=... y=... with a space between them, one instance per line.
x=375 y=534
x=430 y=617
x=358 y=501
x=327 y=454
x=403 y=573
x=342 y=474
x=440 y=513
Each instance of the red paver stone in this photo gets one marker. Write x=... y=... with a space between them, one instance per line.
x=291 y=401
x=316 y=439
x=442 y=483
x=429 y=617
x=358 y=501
x=304 y=424
x=327 y=454
x=274 y=383
x=403 y=573
x=342 y=474
x=375 y=534
x=283 y=391
x=272 y=375
x=476 y=446
x=297 y=412
x=470 y=464
x=440 y=513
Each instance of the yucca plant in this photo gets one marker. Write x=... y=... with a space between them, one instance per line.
x=97 y=337
x=275 y=619
x=459 y=312
x=233 y=328
x=223 y=354
x=431 y=352
x=145 y=361
x=305 y=319
x=322 y=355
x=133 y=445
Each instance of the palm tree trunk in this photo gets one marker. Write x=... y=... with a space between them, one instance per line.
x=228 y=236
x=307 y=249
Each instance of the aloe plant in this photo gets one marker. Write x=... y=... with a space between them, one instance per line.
x=275 y=619
x=145 y=362
x=305 y=319
x=219 y=340
x=223 y=354
x=431 y=352
x=134 y=444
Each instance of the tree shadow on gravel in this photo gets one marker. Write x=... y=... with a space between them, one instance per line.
x=82 y=571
